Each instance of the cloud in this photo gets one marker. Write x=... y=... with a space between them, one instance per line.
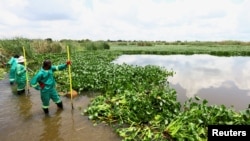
x=169 y=20
x=197 y=72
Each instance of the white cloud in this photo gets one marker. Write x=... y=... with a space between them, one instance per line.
x=197 y=72
x=168 y=20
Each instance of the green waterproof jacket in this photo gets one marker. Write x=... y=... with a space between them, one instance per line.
x=46 y=78
x=13 y=63
x=20 y=73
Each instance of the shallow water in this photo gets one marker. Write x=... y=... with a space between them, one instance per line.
x=220 y=80
x=22 y=119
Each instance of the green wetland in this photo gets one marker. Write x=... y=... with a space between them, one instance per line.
x=142 y=101
x=220 y=80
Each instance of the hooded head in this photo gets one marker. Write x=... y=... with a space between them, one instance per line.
x=46 y=64
x=16 y=56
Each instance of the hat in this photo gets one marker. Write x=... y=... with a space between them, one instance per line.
x=20 y=59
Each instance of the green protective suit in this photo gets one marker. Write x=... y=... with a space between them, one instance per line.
x=12 y=73
x=20 y=77
x=46 y=78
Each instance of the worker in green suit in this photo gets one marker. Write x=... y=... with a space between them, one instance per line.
x=12 y=73
x=20 y=75
x=45 y=82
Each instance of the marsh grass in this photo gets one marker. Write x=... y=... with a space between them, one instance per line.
x=138 y=100
x=41 y=46
x=15 y=46
x=220 y=50
x=97 y=45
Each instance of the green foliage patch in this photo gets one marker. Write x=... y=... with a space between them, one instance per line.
x=138 y=102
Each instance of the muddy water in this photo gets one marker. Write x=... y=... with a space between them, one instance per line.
x=22 y=119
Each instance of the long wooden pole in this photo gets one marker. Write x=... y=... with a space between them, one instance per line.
x=25 y=64
x=70 y=80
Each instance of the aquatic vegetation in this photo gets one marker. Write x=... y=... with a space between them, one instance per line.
x=137 y=101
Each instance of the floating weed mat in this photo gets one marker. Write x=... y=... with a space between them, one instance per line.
x=143 y=117
x=192 y=123
x=143 y=113
x=138 y=101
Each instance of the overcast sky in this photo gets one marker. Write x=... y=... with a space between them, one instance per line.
x=166 y=20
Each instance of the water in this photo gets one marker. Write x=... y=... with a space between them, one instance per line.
x=22 y=119
x=220 y=80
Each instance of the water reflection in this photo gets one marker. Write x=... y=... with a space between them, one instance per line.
x=24 y=105
x=51 y=128
x=221 y=80
x=22 y=119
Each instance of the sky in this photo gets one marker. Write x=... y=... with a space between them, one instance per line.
x=220 y=80
x=147 y=20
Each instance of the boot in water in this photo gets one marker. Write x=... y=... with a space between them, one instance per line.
x=46 y=110
x=20 y=92
x=60 y=105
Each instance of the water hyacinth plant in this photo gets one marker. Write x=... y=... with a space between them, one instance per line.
x=138 y=101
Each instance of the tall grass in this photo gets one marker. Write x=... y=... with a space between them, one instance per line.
x=10 y=47
x=219 y=50
x=45 y=46
x=97 y=45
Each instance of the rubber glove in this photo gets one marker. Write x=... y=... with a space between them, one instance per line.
x=68 y=62
x=42 y=85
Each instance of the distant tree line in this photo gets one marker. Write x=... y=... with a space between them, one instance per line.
x=12 y=46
